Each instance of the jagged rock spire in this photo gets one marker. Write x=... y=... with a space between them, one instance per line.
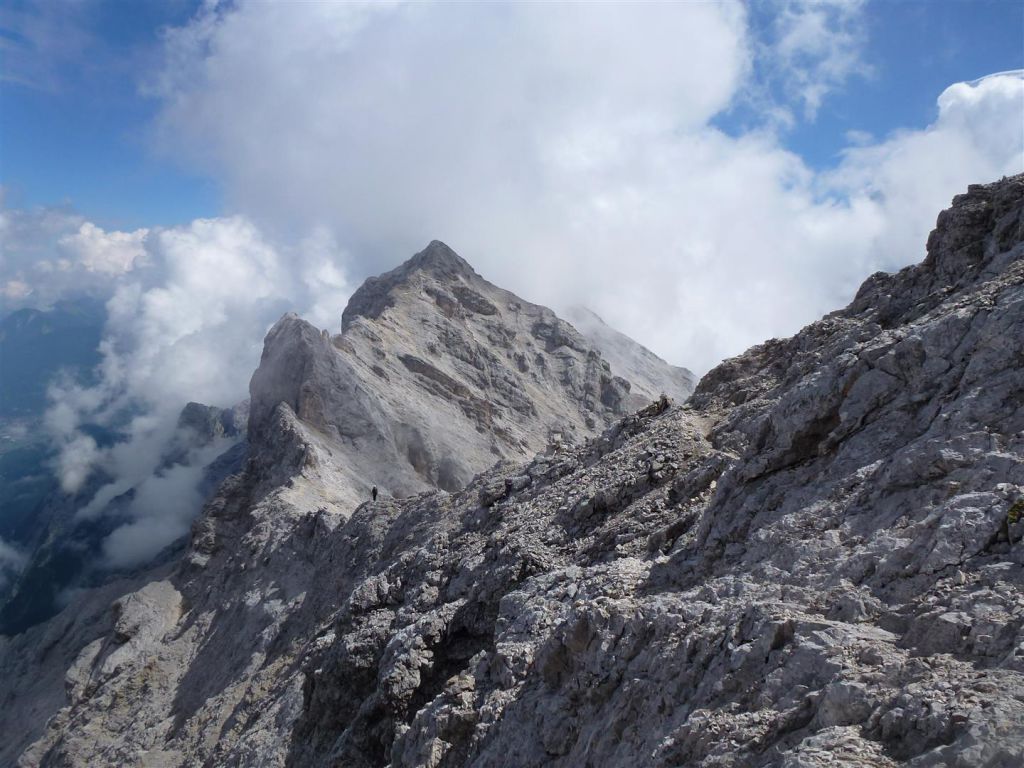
x=377 y=293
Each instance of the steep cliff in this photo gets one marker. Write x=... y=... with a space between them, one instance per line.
x=649 y=375
x=436 y=375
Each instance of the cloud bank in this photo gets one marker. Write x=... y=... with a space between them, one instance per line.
x=53 y=253
x=187 y=326
x=571 y=152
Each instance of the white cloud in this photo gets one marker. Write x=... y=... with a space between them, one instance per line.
x=187 y=311
x=76 y=460
x=191 y=334
x=569 y=152
x=388 y=123
x=52 y=253
x=16 y=290
x=814 y=47
x=903 y=181
x=188 y=327
x=112 y=253
x=191 y=326
x=162 y=510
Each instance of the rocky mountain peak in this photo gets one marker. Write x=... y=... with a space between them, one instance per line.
x=437 y=374
x=436 y=262
x=972 y=241
x=441 y=260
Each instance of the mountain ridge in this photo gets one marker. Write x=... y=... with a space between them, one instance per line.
x=816 y=558
x=436 y=374
x=365 y=401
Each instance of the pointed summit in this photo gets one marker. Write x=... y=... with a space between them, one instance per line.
x=376 y=294
x=437 y=374
x=440 y=259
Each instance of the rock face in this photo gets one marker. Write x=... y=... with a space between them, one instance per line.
x=436 y=375
x=816 y=561
x=649 y=375
x=209 y=422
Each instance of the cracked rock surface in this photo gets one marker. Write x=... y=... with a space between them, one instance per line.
x=814 y=561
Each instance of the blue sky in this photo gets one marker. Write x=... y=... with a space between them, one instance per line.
x=74 y=126
x=76 y=129
x=915 y=49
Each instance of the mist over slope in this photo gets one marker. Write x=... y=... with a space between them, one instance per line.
x=36 y=348
x=816 y=558
x=651 y=375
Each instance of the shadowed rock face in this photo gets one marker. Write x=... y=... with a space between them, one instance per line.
x=817 y=560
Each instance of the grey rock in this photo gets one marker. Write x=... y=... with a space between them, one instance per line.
x=436 y=375
x=649 y=375
x=824 y=569
x=210 y=422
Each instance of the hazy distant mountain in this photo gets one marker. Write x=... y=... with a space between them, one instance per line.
x=35 y=345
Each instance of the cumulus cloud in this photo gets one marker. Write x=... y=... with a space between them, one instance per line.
x=112 y=253
x=52 y=253
x=387 y=124
x=901 y=182
x=570 y=152
x=189 y=327
x=760 y=230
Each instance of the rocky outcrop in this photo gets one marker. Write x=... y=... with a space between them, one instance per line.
x=816 y=561
x=649 y=375
x=207 y=422
x=436 y=375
